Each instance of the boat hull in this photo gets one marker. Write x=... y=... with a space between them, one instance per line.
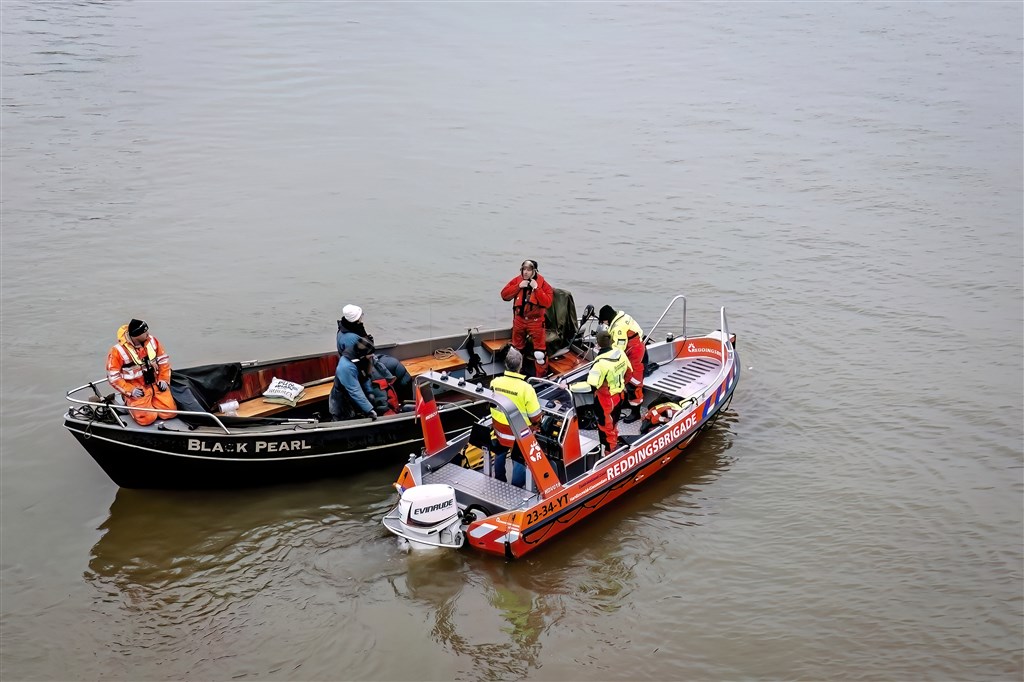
x=182 y=459
x=516 y=533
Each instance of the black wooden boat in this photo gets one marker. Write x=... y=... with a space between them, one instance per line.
x=266 y=443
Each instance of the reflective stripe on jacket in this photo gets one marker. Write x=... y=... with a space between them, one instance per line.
x=609 y=369
x=514 y=387
x=125 y=366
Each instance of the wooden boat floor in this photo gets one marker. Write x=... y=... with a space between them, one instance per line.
x=491 y=491
x=559 y=365
x=492 y=346
x=257 y=407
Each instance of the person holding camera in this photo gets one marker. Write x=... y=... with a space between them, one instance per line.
x=139 y=368
x=531 y=296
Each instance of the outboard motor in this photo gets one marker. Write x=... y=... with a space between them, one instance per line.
x=428 y=516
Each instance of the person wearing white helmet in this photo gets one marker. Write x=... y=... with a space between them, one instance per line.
x=351 y=329
x=531 y=296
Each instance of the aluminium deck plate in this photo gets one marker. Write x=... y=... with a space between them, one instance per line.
x=479 y=485
x=684 y=378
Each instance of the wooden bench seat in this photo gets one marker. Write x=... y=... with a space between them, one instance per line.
x=258 y=407
x=493 y=347
x=417 y=366
x=564 y=364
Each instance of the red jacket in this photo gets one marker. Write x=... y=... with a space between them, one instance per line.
x=528 y=302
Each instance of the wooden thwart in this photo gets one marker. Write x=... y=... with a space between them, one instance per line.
x=257 y=407
x=417 y=366
x=494 y=346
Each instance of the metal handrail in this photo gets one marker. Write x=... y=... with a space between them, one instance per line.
x=543 y=380
x=114 y=409
x=725 y=353
x=669 y=307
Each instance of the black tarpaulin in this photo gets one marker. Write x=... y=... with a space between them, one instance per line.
x=199 y=389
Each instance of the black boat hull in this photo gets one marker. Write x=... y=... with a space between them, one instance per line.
x=162 y=458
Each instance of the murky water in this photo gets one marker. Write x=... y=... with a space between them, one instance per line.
x=845 y=178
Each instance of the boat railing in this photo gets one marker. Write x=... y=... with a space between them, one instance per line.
x=549 y=382
x=116 y=408
x=727 y=352
x=671 y=303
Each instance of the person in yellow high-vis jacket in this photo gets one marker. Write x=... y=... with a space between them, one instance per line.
x=607 y=377
x=628 y=337
x=139 y=368
x=513 y=386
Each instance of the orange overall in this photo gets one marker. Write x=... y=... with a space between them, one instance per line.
x=126 y=370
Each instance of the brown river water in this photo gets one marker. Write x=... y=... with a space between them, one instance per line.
x=845 y=178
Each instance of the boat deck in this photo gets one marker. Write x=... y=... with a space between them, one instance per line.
x=495 y=494
x=684 y=377
x=679 y=379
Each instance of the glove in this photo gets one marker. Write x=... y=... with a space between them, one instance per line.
x=138 y=393
x=524 y=283
x=533 y=284
x=379 y=411
x=371 y=415
x=162 y=385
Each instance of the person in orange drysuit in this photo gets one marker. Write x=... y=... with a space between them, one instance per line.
x=140 y=370
x=531 y=296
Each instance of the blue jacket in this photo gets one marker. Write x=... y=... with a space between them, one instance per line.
x=347 y=384
x=346 y=339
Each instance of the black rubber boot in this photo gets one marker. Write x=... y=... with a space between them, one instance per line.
x=634 y=414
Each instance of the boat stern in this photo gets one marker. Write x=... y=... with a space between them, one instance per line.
x=427 y=516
